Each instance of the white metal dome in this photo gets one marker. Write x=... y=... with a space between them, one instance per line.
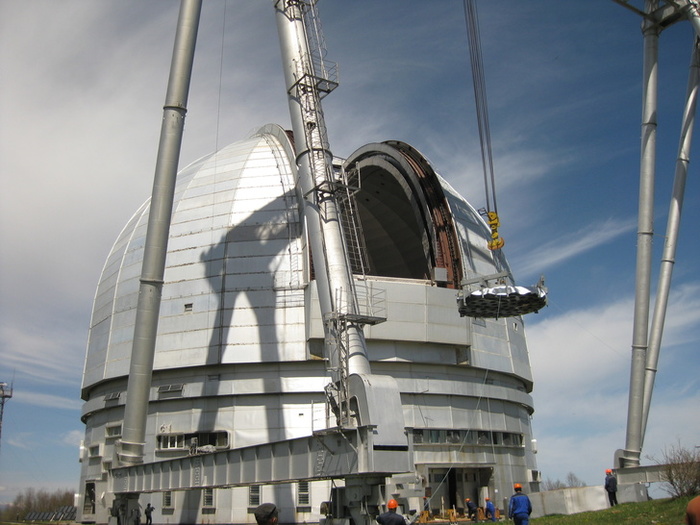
x=240 y=353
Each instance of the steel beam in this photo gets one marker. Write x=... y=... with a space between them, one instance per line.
x=329 y=454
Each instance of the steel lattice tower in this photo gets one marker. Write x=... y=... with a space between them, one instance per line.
x=5 y=394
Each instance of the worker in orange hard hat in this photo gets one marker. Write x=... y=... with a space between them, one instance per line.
x=490 y=511
x=391 y=517
x=519 y=508
x=611 y=487
x=471 y=508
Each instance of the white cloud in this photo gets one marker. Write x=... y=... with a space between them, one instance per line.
x=580 y=344
x=73 y=438
x=23 y=440
x=581 y=366
x=46 y=400
x=42 y=354
x=572 y=244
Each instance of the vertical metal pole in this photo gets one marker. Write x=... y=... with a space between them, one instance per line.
x=146 y=327
x=633 y=443
x=672 y=228
x=334 y=276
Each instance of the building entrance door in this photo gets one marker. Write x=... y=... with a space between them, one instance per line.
x=451 y=486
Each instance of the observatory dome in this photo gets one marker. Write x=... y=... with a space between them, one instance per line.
x=239 y=355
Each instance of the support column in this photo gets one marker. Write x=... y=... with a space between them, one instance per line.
x=131 y=446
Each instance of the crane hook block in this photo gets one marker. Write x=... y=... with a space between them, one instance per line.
x=496 y=242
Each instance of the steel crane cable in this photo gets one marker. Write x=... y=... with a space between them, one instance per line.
x=482 y=117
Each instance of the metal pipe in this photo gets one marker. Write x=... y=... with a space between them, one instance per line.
x=672 y=228
x=314 y=163
x=692 y=11
x=130 y=450
x=633 y=442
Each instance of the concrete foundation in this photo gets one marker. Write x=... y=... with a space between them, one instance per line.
x=582 y=499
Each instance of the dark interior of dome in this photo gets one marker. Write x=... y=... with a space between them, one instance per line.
x=394 y=240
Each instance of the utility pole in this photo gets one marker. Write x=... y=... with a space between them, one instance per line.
x=5 y=394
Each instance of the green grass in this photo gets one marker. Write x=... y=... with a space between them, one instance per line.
x=658 y=512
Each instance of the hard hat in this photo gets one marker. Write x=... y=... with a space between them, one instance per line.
x=487 y=499
x=467 y=499
x=517 y=486
x=392 y=504
x=608 y=471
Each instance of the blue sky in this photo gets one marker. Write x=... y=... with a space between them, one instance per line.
x=83 y=85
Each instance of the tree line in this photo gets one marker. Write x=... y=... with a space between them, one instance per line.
x=40 y=500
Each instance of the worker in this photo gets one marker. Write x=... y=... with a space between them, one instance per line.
x=471 y=508
x=692 y=512
x=490 y=510
x=611 y=487
x=148 y=511
x=519 y=508
x=391 y=517
x=266 y=514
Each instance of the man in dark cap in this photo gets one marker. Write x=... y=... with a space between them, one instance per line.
x=266 y=514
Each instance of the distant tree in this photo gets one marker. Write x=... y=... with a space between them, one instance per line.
x=571 y=481
x=680 y=470
x=40 y=500
x=552 y=484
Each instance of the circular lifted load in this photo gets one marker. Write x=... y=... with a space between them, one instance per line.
x=503 y=301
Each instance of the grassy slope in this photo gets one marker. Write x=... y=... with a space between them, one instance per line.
x=658 y=512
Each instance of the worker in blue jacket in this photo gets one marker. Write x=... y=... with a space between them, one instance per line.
x=519 y=508
x=490 y=511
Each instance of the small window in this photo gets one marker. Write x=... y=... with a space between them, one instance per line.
x=254 y=496
x=453 y=436
x=303 y=495
x=113 y=431
x=171 y=441
x=112 y=396
x=418 y=435
x=217 y=439
x=171 y=391
x=94 y=451
x=188 y=307
x=470 y=437
x=208 y=498
x=438 y=436
x=167 y=500
x=170 y=388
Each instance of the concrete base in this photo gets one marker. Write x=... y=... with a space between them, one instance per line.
x=582 y=499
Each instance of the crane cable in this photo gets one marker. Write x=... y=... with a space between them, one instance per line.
x=482 y=116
